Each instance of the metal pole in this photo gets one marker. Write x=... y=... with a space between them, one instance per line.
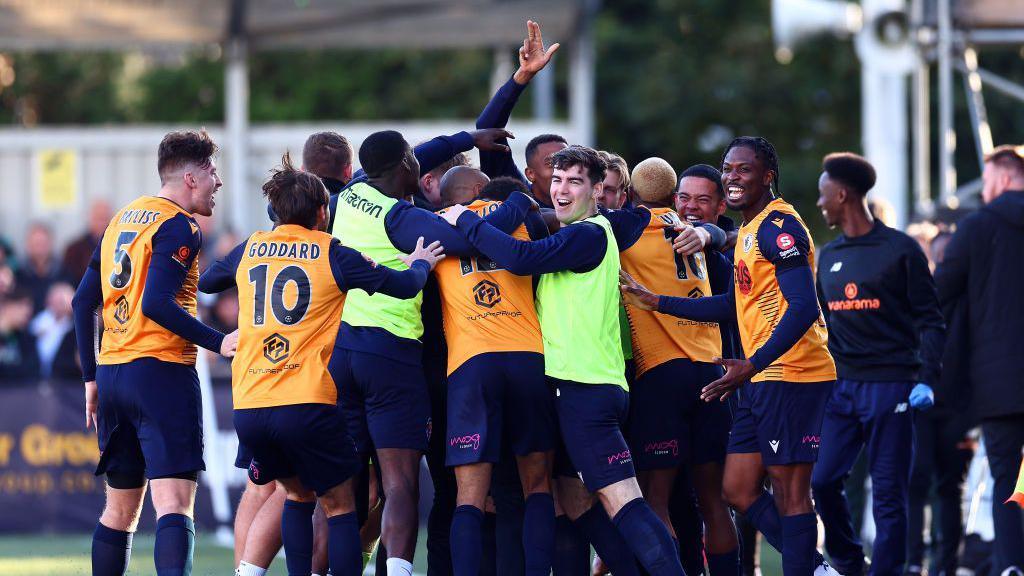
x=921 y=103
x=581 y=79
x=947 y=137
x=236 y=101
x=1000 y=84
x=976 y=106
x=501 y=69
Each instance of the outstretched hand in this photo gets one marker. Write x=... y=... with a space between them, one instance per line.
x=635 y=294
x=533 y=57
x=491 y=139
x=431 y=253
x=452 y=214
x=737 y=373
x=229 y=345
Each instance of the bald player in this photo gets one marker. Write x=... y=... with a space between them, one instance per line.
x=497 y=393
x=669 y=425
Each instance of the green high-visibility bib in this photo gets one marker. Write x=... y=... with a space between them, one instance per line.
x=579 y=319
x=359 y=224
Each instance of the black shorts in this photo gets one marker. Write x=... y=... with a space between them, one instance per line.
x=309 y=441
x=591 y=417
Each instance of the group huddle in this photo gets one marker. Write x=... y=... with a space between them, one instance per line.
x=602 y=332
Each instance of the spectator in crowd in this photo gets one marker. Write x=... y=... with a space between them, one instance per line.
x=941 y=452
x=982 y=270
x=54 y=335
x=79 y=251
x=223 y=315
x=18 y=357
x=40 y=269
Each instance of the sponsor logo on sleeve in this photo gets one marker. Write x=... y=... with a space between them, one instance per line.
x=181 y=255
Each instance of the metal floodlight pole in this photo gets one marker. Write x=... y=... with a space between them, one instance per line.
x=1000 y=84
x=947 y=137
x=236 y=101
x=581 y=77
x=921 y=103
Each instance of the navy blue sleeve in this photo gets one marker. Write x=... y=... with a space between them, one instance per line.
x=221 y=274
x=797 y=287
x=353 y=271
x=87 y=300
x=496 y=115
x=406 y=223
x=719 y=308
x=437 y=151
x=579 y=247
x=535 y=226
x=166 y=275
x=924 y=305
x=628 y=225
x=718 y=237
x=783 y=242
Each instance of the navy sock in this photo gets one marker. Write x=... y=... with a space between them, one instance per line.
x=172 y=551
x=489 y=545
x=344 y=551
x=648 y=538
x=608 y=542
x=799 y=536
x=765 y=517
x=297 y=537
x=467 y=540
x=572 y=550
x=725 y=564
x=539 y=534
x=111 y=551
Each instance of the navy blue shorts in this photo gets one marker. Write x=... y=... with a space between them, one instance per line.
x=310 y=441
x=591 y=417
x=150 y=419
x=781 y=420
x=386 y=403
x=243 y=457
x=499 y=397
x=668 y=422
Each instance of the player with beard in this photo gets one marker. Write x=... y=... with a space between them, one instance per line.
x=778 y=425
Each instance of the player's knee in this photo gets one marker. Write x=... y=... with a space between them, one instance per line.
x=121 y=516
x=338 y=500
x=739 y=495
x=174 y=494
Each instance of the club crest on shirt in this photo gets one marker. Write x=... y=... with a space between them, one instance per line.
x=748 y=242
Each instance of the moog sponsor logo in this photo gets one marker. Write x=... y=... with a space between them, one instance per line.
x=468 y=441
x=812 y=439
x=662 y=447
x=620 y=458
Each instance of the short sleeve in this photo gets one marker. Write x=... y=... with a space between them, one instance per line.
x=783 y=241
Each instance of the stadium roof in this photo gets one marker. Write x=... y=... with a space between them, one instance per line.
x=276 y=24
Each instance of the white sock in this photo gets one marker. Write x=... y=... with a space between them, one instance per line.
x=399 y=567
x=246 y=569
